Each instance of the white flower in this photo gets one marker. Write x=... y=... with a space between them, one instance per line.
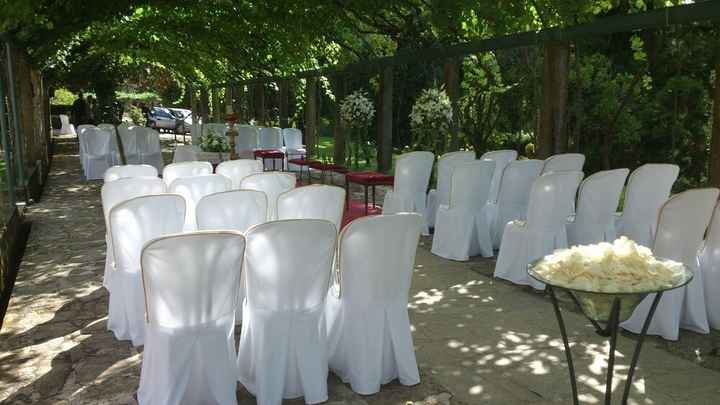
x=432 y=110
x=356 y=110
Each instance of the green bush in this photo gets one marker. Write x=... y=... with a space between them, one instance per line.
x=63 y=96
x=137 y=116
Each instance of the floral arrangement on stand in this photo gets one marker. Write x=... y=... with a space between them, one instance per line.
x=214 y=142
x=357 y=112
x=430 y=120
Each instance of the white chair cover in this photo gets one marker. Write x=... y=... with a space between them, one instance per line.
x=513 y=196
x=114 y=148
x=132 y=224
x=236 y=170
x=246 y=141
x=441 y=195
x=710 y=267
x=95 y=157
x=195 y=188
x=270 y=138
x=66 y=128
x=501 y=158
x=185 y=169
x=149 y=147
x=461 y=229
x=551 y=202
x=129 y=171
x=195 y=133
x=315 y=201
x=369 y=335
x=272 y=184
x=185 y=153
x=647 y=190
x=682 y=223
x=191 y=294
x=283 y=345
x=83 y=127
x=409 y=193
x=564 y=162
x=598 y=199
x=115 y=192
x=129 y=140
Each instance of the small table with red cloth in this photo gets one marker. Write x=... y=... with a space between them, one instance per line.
x=271 y=154
x=302 y=162
x=367 y=179
x=327 y=167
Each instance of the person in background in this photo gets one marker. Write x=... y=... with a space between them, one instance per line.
x=91 y=109
x=80 y=111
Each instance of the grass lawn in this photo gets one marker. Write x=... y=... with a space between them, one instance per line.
x=326 y=148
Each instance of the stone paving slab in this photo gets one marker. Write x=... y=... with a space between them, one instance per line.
x=478 y=340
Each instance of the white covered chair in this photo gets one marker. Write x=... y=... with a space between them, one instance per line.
x=316 y=201
x=149 y=147
x=246 y=141
x=682 y=223
x=294 y=148
x=647 y=190
x=551 y=202
x=272 y=184
x=501 y=158
x=185 y=153
x=513 y=196
x=114 y=148
x=710 y=267
x=66 y=128
x=129 y=140
x=195 y=188
x=96 y=158
x=115 y=192
x=236 y=170
x=564 y=162
x=270 y=138
x=441 y=195
x=369 y=332
x=191 y=295
x=462 y=229
x=409 y=193
x=283 y=345
x=129 y=171
x=235 y=210
x=132 y=224
x=598 y=198
x=185 y=169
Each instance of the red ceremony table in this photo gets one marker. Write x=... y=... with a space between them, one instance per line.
x=302 y=162
x=326 y=167
x=271 y=154
x=367 y=179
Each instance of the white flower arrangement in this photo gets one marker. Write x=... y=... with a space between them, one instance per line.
x=356 y=110
x=214 y=142
x=432 y=111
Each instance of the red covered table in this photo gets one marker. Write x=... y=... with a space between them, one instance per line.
x=367 y=179
x=302 y=162
x=326 y=167
x=271 y=154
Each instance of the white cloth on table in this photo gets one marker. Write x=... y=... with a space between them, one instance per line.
x=175 y=171
x=283 y=345
x=683 y=220
x=132 y=224
x=236 y=170
x=710 y=267
x=441 y=195
x=149 y=147
x=501 y=158
x=246 y=141
x=272 y=184
x=513 y=196
x=409 y=192
x=316 y=201
x=193 y=189
x=564 y=162
x=191 y=290
x=461 y=229
x=551 y=202
x=129 y=171
x=185 y=153
x=647 y=190
x=369 y=336
x=598 y=198
x=96 y=157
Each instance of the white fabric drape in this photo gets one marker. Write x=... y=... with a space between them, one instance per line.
x=113 y=193
x=647 y=190
x=185 y=153
x=236 y=170
x=272 y=184
x=681 y=227
x=316 y=201
x=270 y=138
x=95 y=154
x=551 y=202
x=409 y=193
x=185 y=169
x=129 y=171
x=501 y=158
x=441 y=195
x=149 y=147
x=246 y=141
x=129 y=139
x=710 y=267
x=195 y=188
x=66 y=128
x=513 y=196
x=114 y=148
x=598 y=199
x=294 y=147
x=283 y=345
x=132 y=224
x=369 y=336
x=461 y=229
x=191 y=289
x=564 y=162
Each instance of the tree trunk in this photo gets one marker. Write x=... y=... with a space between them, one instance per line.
x=216 y=113
x=715 y=142
x=385 y=121
x=338 y=130
x=260 y=103
x=228 y=101
x=310 y=114
x=283 y=103
x=204 y=105
x=553 y=135
x=451 y=73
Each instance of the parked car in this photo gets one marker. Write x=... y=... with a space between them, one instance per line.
x=162 y=119
x=186 y=117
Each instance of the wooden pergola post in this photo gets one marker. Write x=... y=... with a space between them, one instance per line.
x=260 y=102
x=715 y=139
x=385 y=120
x=552 y=137
x=338 y=130
x=451 y=73
x=311 y=114
x=284 y=85
x=204 y=105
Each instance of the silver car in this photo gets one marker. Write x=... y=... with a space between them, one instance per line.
x=162 y=118
x=185 y=116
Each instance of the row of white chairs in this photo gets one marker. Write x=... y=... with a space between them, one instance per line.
x=99 y=148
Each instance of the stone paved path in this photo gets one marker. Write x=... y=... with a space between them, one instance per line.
x=478 y=341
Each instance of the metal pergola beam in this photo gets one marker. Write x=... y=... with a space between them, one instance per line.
x=683 y=14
